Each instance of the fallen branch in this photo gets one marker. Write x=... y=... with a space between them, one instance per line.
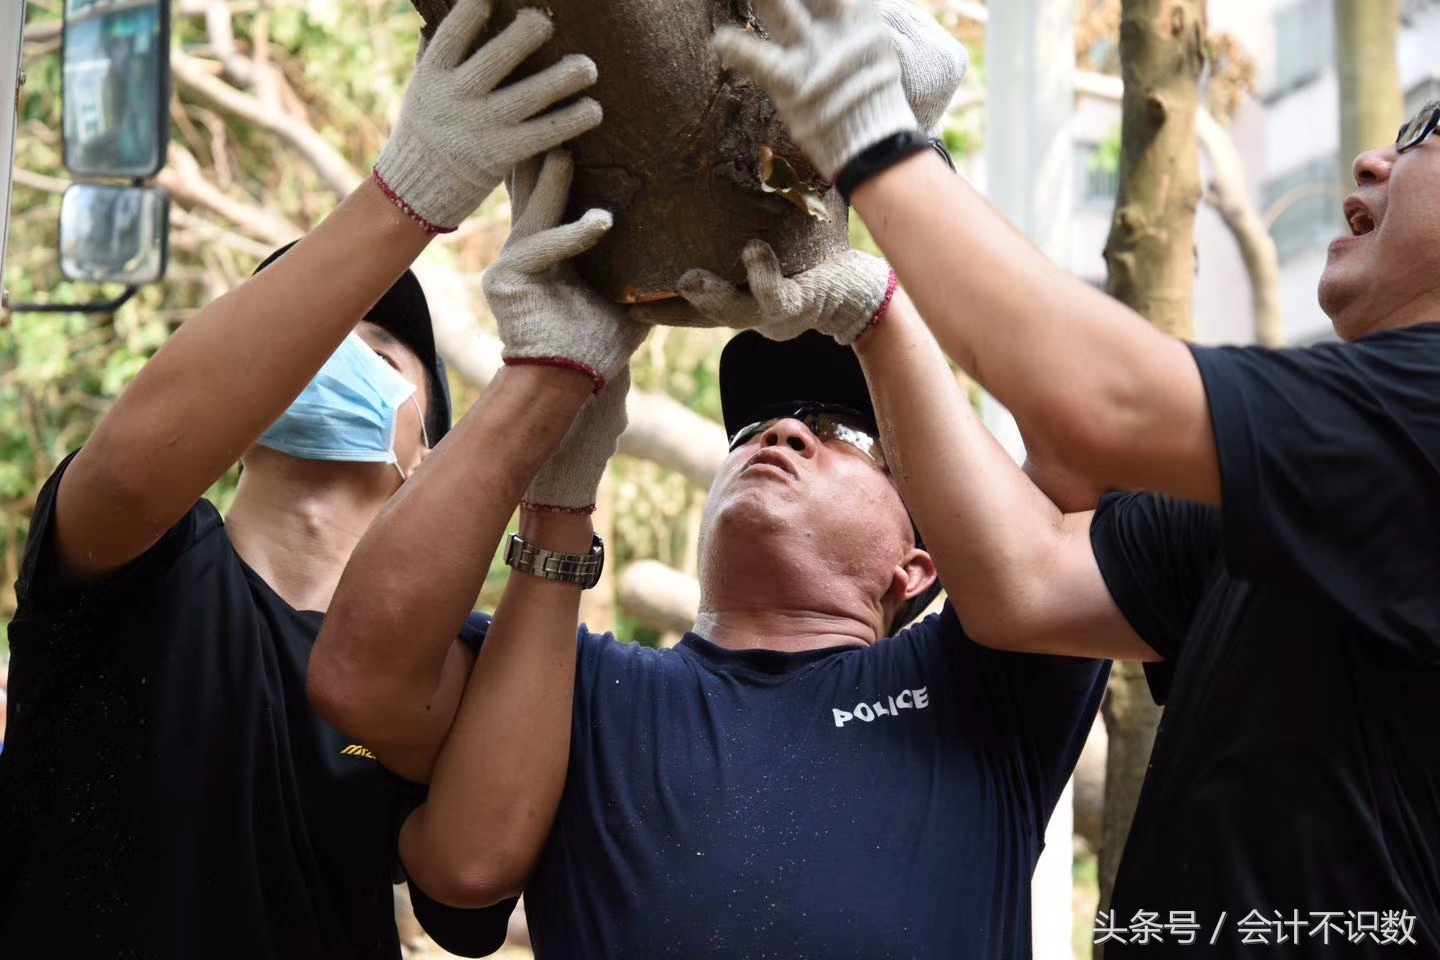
x=189 y=186
x=333 y=169
x=659 y=597
x=39 y=181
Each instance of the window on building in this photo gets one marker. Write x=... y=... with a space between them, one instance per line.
x=1304 y=43
x=1097 y=174
x=1306 y=206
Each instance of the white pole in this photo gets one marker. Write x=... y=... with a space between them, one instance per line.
x=1030 y=100
x=12 y=25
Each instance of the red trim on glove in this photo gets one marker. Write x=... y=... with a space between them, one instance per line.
x=399 y=201
x=563 y=363
x=884 y=308
x=547 y=508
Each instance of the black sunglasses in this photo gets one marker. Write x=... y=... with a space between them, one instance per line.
x=828 y=421
x=1419 y=127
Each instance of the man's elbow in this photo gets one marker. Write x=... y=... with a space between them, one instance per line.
x=473 y=888
x=329 y=693
x=336 y=688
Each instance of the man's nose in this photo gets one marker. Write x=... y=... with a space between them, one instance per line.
x=793 y=434
x=1373 y=166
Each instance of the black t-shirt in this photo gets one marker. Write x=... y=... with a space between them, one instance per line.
x=1295 y=782
x=165 y=789
x=887 y=801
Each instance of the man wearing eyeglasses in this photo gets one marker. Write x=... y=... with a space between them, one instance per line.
x=1279 y=582
x=800 y=774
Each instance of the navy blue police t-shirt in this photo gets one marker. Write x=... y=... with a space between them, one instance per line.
x=865 y=802
x=1293 y=796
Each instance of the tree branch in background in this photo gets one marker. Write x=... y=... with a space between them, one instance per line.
x=1227 y=194
x=38 y=181
x=663 y=599
x=189 y=186
x=198 y=75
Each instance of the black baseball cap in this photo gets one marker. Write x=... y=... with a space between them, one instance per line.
x=760 y=377
x=404 y=313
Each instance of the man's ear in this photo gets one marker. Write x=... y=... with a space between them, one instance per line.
x=911 y=577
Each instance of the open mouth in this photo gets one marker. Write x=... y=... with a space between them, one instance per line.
x=1358 y=218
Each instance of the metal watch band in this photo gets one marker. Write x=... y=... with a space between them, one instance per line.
x=582 y=569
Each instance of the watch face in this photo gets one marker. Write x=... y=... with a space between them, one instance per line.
x=597 y=550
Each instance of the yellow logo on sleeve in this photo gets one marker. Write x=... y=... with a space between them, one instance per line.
x=355 y=750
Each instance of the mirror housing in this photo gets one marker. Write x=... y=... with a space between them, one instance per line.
x=114 y=234
x=115 y=57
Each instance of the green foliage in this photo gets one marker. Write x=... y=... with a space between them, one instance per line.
x=348 y=62
x=632 y=631
x=1106 y=158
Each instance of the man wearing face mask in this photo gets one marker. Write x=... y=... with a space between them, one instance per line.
x=166 y=790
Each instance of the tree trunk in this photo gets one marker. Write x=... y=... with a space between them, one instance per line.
x=691 y=159
x=1151 y=259
x=1371 y=100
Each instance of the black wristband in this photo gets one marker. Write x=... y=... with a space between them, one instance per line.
x=878 y=158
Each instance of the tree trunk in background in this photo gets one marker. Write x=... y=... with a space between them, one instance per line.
x=1371 y=100
x=1151 y=259
x=692 y=160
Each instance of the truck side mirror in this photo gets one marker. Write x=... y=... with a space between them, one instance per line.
x=114 y=234
x=116 y=88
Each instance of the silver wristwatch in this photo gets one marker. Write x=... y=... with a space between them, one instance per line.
x=578 y=568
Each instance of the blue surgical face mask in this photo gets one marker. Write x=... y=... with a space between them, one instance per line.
x=347 y=413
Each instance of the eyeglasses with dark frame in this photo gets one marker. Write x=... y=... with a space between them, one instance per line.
x=1419 y=127
x=828 y=421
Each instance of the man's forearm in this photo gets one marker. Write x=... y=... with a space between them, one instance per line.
x=385 y=667
x=498 y=780
x=1088 y=379
x=982 y=519
x=1017 y=569
x=224 y=377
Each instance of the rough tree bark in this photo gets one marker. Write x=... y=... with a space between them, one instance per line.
x=1150 y=254
x=691 y=159
x=1372 y=102
x=1228 y=194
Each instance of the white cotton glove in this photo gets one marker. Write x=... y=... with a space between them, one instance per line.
x=841 y=297
x=545 y=313
x=932 y=62
x=460 y=132
x=831 y=70
x=569 y=482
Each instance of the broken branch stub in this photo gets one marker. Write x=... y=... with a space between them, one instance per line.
x=680 y=157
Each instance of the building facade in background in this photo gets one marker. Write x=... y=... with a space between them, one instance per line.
x=1288 y=137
